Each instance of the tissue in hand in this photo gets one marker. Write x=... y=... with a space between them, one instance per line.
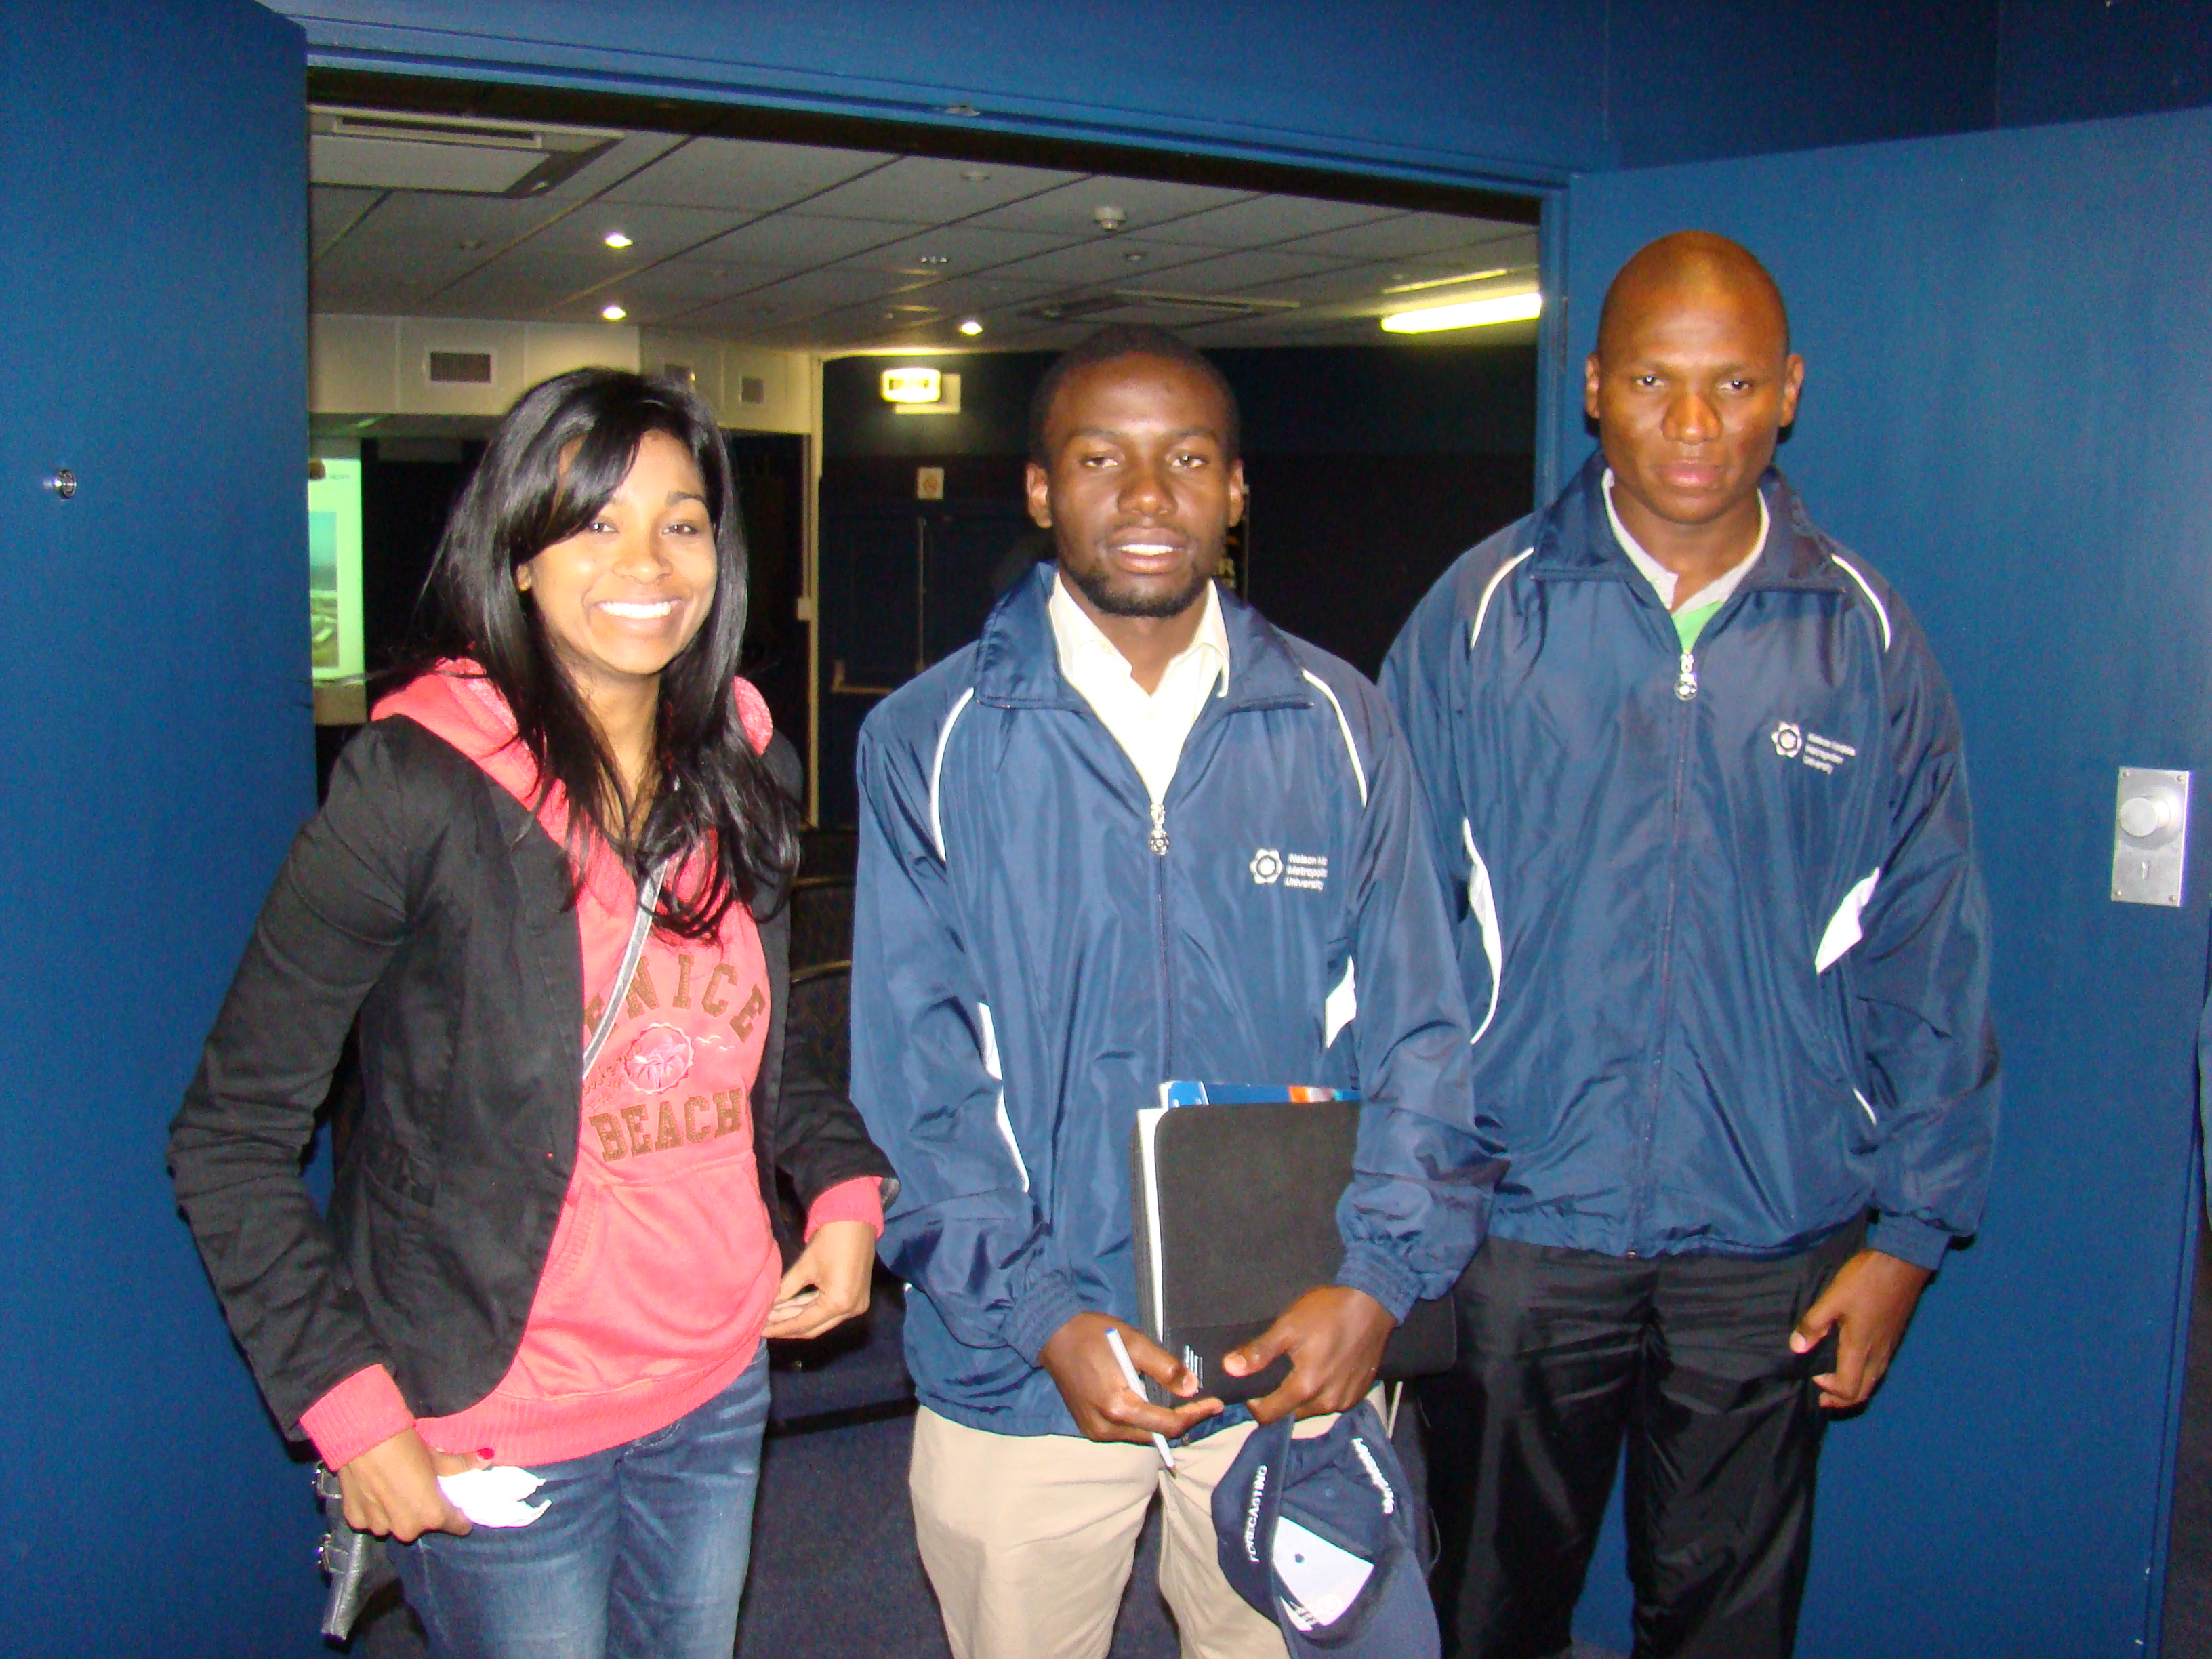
x=494 y=1496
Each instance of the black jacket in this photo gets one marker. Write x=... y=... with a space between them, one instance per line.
x=427 y=900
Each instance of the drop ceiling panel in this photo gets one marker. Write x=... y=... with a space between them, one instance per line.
x=1103 y=259
x=690 y=283
x=923 y=187
x=743 y=174
x=802 y=241
x=1230 y=273
x=955 y=251
x=578 y=243
x=414 y=244
x=1409 y=233
x=1264 y=220
x=331 y=211
x=824 y=249
x=807 y=295
x=634 y=152
x=1345 y=285
x=1068 y=210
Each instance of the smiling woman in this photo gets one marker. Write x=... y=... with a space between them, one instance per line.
x=546 y=890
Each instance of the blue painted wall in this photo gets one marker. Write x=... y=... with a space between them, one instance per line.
x=1486 y=89
x=2008 y=408
x=155 y=757
x=1991 y=421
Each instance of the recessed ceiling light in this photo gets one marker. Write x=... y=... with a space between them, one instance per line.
x=1134 y=256
x=1467 y=313
x=613 y=313
x=614 y=239
x=471 y=245
x=975 y=175
x=970 y=326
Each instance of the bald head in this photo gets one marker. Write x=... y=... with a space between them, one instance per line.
x=1689 y=267
x=1690 y=385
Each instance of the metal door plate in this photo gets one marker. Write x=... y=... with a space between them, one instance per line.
x=2150 y=835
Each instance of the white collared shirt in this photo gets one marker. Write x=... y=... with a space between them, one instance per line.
x=1662 y=579
x=1151 y=729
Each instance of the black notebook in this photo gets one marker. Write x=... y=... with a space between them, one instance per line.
x=1233 y=1190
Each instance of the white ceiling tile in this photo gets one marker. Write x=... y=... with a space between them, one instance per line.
x=1409 y=233
x=415 y=241
x=743 y=174
x=1507 y=252
x=1341 y=284
x=797 y=240
x=331 y=211
x=1266 y=219
x=1102 y=261
x=694 y=283
x=635 y=150
x=656 y=233
x=921 y=188
x=955 y=251
x=1229 y=273
x=1069 y=210
x=809 y=294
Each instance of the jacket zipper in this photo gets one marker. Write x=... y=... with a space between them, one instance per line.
x=1159 y=843
x=1686 y=691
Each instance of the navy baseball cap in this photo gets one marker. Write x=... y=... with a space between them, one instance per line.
x=1317 y=1534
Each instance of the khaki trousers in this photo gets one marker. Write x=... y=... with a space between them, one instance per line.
x=1029 y=1539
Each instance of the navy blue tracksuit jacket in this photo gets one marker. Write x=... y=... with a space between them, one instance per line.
x=1027 y=970
x=1722 y=933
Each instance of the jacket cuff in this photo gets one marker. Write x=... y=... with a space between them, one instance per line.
x=1382 y=1276
x=1050 y=1303
x=858 y=1200
x=365 y=1410
x=1908 y=1240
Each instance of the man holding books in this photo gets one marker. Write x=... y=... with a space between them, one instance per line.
x=1695 y=773
x=1133 y=835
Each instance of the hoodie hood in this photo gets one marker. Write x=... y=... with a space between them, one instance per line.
x=457 y=702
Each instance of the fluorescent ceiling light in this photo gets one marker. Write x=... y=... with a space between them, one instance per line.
x=911 y=386
x=613 y=313
x=614 y=239
x=1467 y=313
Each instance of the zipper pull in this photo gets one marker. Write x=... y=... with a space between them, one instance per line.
x=1685 y=682
x=1160 y=836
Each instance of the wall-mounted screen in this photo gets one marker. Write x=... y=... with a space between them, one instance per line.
x=334 y=567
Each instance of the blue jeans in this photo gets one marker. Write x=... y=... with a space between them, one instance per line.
x=640 y=1553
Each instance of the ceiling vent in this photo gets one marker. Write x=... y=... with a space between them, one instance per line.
x=460 y=367
x=378 y=150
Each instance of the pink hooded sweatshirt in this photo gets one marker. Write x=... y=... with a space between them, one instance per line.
x=662 y=1268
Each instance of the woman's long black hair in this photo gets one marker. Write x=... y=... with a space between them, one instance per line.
x=552 y=463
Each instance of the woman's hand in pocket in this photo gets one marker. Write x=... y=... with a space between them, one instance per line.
x=392 y=1489
x=828 y=1282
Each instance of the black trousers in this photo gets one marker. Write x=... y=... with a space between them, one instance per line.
x=1564 y=1353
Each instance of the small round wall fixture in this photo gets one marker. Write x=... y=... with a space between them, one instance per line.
x=613 y=313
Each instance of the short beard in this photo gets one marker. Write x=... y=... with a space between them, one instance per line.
x=1110 y=601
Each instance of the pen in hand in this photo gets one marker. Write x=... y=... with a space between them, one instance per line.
x=1136 y=1383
